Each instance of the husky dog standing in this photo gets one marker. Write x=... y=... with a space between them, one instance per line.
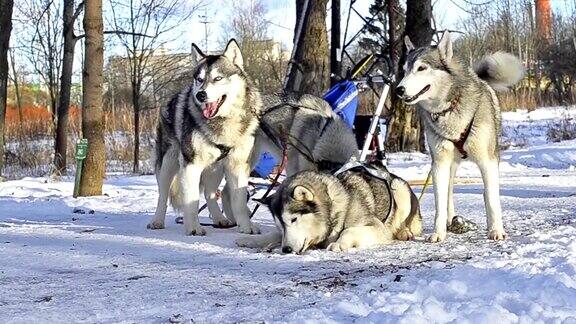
x=353 y=209
x=461 y=115
x=208 y=126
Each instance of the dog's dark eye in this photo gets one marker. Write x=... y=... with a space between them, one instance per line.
x=293 y=220
x=199 y=80
x=218 y=78
x=422 y=68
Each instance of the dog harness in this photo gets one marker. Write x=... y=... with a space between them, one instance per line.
x=224 y=150
x=275 y=135
x=459 y=143
x=383 y=175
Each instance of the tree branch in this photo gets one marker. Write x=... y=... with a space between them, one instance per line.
x=78 y=10
x=117 y=32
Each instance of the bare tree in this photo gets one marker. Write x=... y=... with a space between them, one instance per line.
x=310 y=67
x=42 y=42
x=5 y=30
x=92 y=111
x=529 y=29
x=70 y=15
x=15 y=78
x=263 y=57
x=144 y=27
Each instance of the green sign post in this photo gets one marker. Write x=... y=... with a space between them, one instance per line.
x=81 y=153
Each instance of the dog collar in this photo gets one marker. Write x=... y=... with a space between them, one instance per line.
x=453 y=104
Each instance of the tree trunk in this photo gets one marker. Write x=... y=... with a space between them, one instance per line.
x=17 y=95
x=310 y=69
x=5 y=29
x=544 y=20
x=543 y=27
x=405 y=131
x=61 y=141
x=136 y=105
x=92 y=111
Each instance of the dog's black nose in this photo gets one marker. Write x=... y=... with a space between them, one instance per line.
x=286 y=249
x=201 y=96
x=400 y=91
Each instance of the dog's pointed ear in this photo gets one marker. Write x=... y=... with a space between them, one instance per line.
x=233 y=53
x=409 y=45
x=197 y=54
x=301 y=193
x=264 y=201
x=445 y=47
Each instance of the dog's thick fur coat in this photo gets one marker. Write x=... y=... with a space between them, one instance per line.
x=207 y=127
x=461 y=116
x=353 y=210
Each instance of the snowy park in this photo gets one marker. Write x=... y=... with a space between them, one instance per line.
x=288 y=161
x=93 y=260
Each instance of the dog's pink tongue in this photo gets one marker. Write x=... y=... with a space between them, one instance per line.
x=210 y=109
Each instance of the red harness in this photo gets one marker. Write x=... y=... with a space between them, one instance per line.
x=459 y=144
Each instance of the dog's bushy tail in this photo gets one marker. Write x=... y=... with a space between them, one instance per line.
x=501 y=70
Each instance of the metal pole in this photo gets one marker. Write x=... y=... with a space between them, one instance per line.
x=335 y=49
x=297 y=36
x=374 y=122
x=205 y=22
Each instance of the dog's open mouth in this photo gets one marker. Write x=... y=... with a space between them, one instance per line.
x=211 y=108
x=410 y=99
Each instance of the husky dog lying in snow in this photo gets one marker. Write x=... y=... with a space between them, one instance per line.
x=353 y=209
x=462 y=121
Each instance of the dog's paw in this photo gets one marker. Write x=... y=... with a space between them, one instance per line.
x=497 y=235
x=199 y=231
x=436 y=237
x=341 y=247
x=405 y=235
x=336 y=247
x=223 y=223
x=247 y=242
x=250 y=229
x=155 y=224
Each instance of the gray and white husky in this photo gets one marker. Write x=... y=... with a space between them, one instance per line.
x=350 y=210
x=461 y=116
x=314 y=136
x=209 y=126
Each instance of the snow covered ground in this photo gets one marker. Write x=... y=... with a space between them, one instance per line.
x=57 y=265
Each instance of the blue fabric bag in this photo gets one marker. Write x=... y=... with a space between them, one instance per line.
x=266 y=165
x=343 y=97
